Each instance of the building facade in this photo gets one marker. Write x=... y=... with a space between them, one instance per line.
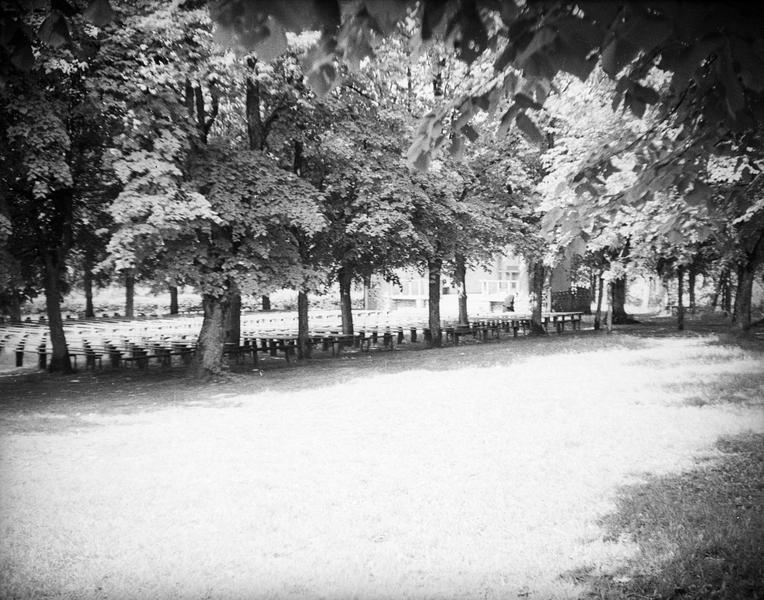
x=488 y=289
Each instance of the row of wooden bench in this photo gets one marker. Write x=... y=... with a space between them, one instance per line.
x=164 y=351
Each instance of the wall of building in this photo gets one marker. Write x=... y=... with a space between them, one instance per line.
x=487 y=288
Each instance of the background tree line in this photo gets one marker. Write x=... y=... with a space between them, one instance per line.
x=228 y=147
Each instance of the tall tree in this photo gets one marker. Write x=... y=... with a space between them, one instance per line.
x=52 y=132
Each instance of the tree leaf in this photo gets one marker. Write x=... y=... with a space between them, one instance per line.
x=432 y=16
x=506 y=120
x=456 y=149
x=636 y=105
x=524 y=101
x=700 y=192
x=542 y=38
x=470 y=133
x=733 y=92
x=529 y=128
x=646 y=31
x=644 y=94
x=616 y=55
x=274 y=45
x=99 y=13
x=54 y=31
x=322 y=78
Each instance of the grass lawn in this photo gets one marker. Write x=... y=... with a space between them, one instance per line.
x=576 y=466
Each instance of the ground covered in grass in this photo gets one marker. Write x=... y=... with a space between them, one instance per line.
x=582 y=465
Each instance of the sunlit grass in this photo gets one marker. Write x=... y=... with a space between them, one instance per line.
x=475 y=472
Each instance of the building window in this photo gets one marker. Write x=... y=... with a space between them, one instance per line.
x=411 y=287
x=507 y=283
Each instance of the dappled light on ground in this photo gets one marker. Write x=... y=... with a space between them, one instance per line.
x=484 y=480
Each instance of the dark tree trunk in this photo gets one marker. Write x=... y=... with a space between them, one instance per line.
x=680 y=298
x=345 y=280
x=87 y=284
x=252 y=109
x=691 y=278
x=436 y=334
x=59 y=360
x=14 y=307
x=129 y=294
x=367 y=292
x=538 y=275
x=303 y=326
x=173 y=300
x=460 y=277
x=598 y=314
x=233 y=316
x=208 y=360
x=745 y=276
x=610 y=303
x=717 y=297
x=265 y=303
x=304 y=349
x=727 y=295
x=195 y=105
x=55 y=248
x=619 y=301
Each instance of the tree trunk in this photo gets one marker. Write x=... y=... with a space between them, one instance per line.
x=303 y=328
x=345 y=279
x=252 y=109
x=129 y=294
x=727 y=296
x=233 y=316
x=598 y=314
x=55 y=247
x=745 y=276
x=648 y=293
x=692 y=275
x=717 y=297
x=610 y=303
x=460 y=276
x=14 y=307
x=538 y=275
x=87 y=285
x=367 y=292
x=304 y=348
x=436 y=334
x=59 y=360
x=619 y=301
x=680 y=298
x=174 y=300
x=208 y=360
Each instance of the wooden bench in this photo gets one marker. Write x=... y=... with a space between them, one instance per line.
x=371 y=337
x=559 y=320
x=337 y=341
x=454 y=332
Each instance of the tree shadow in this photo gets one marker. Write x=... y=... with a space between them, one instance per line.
x=110 y=387
x=700 y=534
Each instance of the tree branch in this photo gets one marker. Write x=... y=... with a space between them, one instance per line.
x=360 y=92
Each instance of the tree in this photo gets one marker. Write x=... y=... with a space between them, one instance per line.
x=54 y=156
x=712 y=102
x=357 y=162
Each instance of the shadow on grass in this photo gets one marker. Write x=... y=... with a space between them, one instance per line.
x=700 y=534
x=739 y=389
x=141 y=389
